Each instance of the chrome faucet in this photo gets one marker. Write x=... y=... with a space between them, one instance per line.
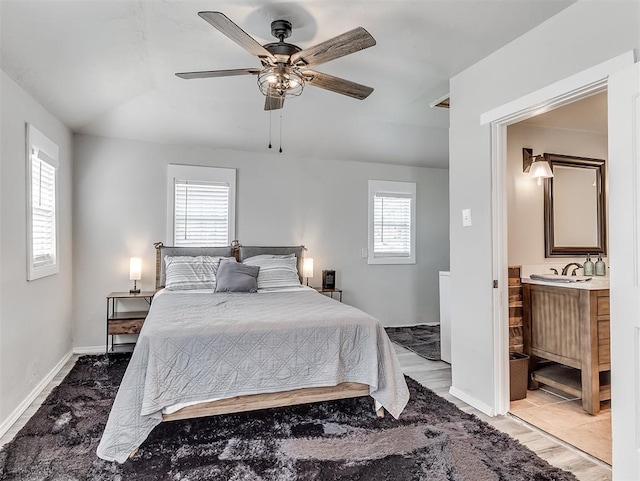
x=565 y=269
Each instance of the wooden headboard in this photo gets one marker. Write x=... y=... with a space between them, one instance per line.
x=238 y=251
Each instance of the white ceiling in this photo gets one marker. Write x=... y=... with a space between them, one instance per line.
x=586 y=115
x=107 y=68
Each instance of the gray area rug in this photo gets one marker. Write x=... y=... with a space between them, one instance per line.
x=423 y=340
x=338 y=440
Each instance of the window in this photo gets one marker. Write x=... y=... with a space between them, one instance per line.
x=42 y=179
x=392 y=221
x=201 y=205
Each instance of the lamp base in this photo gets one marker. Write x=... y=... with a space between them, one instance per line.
x=134 y=291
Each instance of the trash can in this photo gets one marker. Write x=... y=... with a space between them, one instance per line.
x=518 y=375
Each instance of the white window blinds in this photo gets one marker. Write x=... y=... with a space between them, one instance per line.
x=42 y=176
x=201 y=213
x=391 y=225
x=43 y=212
x=392 y=222
x=201 y=205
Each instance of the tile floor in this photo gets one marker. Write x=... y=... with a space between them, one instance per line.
x=564 y=418
x=436 y=375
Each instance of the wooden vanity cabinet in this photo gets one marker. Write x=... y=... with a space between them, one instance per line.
x=571 y=328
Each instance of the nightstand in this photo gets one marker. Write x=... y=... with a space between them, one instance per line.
x=330 y=292
x=125 y=322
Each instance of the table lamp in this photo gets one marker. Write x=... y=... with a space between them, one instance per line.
x=135 y=273
x=307 y=268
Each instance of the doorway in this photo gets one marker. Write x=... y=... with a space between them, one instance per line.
x=554 y=403
x=621 y=75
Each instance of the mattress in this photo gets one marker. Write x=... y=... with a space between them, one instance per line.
x=196 y=346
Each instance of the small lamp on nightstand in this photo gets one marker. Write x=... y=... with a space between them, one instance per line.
x=307 y=268
x=135 y=273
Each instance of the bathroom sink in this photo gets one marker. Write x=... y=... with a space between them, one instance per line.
x=575 y=282
x=560 y=278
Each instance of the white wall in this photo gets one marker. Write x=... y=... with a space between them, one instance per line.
x=577 y=38
x=120 y=210
x=35 y=317
x=581 y=36
x=525 y=204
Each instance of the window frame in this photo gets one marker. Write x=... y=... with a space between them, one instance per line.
x=405 y=189
x=46 y=151
x=199 y=174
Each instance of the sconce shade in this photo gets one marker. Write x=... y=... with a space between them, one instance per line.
x=536 y=165
x=307 y=267
x=135 y=269
x=540 y=169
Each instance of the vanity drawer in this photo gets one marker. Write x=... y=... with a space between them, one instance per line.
x=604 y=342
x=603 y=305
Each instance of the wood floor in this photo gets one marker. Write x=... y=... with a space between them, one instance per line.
x=436 y=375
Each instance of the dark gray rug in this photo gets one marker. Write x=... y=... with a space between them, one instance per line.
x=423 y=340
x=338 y=440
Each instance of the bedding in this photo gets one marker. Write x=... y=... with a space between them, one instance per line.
x=245 y=252
x=275 y=272
x=163 y=251
x=196 y=345
x=187 y=272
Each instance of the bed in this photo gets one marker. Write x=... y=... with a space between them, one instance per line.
x=201 y=353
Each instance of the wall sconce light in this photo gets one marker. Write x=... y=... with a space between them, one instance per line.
x=135 y=273
x=307 y=268
x=536 y=165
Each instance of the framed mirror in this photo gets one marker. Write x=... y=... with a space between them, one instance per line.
x=574 y=207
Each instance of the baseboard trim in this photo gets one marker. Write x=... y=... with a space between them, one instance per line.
x=472 y=401
x=89 y=350
x=22 y=407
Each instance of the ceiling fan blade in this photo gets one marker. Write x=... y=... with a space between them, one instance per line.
x=273 y=103
x=345 y=44
x=218 y=73
x=336 y=84
x=226 y=26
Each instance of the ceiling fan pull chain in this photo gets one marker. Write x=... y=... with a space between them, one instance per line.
x=280 y=131
x=270 y=128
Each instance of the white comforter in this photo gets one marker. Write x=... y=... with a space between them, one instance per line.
x=196 y=346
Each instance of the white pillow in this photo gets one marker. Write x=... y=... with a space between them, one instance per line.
x=186 y=272
x=275 y=271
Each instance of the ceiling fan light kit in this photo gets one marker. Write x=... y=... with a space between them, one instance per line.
x=280 y=81
x=285 y=70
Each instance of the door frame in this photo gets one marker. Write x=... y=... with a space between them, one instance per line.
x=563 y=92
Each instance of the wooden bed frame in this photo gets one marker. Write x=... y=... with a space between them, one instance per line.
x=254 y=402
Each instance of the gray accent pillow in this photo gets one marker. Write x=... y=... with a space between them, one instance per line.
x=235 y=277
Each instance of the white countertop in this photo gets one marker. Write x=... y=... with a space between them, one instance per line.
x=593 y=284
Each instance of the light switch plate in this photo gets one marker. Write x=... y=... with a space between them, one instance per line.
x=365 y=253
x=466 y=217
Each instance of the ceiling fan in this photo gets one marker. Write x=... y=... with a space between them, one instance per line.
x=285 y=67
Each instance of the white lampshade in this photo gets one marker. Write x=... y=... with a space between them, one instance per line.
x=307 y=267
x=540 y=169
x=135 y=269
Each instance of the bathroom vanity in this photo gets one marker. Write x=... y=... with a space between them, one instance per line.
x=568 y=324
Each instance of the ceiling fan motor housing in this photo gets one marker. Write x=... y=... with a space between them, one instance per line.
x=281 y=29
